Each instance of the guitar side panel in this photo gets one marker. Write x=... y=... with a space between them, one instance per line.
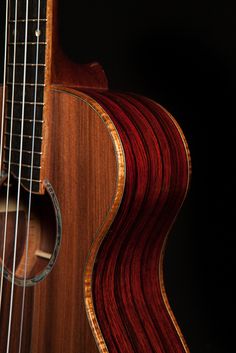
x=118 y=274
x=129 y=295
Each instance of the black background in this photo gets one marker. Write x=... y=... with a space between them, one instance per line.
x=183 y=55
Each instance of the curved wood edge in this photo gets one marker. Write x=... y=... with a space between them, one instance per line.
x=161 y=263
x=160 y=333
x=62 y=69
x=163 y=249
x=121 y=167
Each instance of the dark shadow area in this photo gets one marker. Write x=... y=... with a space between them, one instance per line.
x=183 y=55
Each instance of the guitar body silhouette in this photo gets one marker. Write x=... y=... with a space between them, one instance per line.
x=113 y=173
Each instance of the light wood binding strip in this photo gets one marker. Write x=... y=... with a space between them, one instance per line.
x=100 y=342
x=120 y=184
x=107 y=223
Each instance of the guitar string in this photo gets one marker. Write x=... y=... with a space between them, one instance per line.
x=4 y=85
x=31 y=177
x=1 y=145
x=19 y=176
x=10 y=138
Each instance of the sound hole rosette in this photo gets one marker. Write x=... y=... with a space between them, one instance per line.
x=43 y=273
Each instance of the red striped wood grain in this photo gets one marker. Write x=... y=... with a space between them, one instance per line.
x=128 y=293
x=129 y=297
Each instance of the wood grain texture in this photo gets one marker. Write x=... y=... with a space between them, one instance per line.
x=16 y=319
x=128 y=291
x=86 y=168
x=60 y=68
x=109 y=271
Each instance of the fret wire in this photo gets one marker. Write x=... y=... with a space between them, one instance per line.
x=20 y=102
x=2 y=123
x=24 y=151
x=25 y=119
x=29 y=20
x=19 y=172
x=34 y=180
x=21 y=64
x=23 y=165
x=27 y=84
x=25 y=136
x=27 y=43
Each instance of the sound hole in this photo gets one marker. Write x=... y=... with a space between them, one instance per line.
x=42 y=230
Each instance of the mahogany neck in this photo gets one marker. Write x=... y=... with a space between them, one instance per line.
x=35 y=61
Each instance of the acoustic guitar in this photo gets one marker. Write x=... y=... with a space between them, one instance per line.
x=91 y=183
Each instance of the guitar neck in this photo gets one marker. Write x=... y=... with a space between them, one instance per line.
x=29 y=44
x=35 y=61
x=27 y=78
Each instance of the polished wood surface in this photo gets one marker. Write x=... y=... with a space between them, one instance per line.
x=129 y=295
x=64 y=71
x=98 y=145
x=86 y=157
x=119 y=166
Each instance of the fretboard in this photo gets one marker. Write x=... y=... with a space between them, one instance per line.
x=25 y=91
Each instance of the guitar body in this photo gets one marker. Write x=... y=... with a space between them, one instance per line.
x=119 y=167
x=91 y=183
